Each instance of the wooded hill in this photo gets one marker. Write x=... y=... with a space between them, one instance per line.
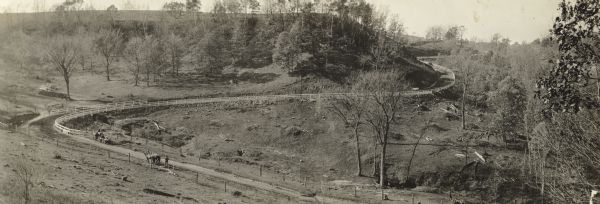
x=331 y=45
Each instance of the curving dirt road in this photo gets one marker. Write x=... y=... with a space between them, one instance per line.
x=444 y=82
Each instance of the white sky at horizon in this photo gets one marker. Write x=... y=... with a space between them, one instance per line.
x=519 y=20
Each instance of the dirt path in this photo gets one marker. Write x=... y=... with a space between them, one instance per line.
x=213 y=173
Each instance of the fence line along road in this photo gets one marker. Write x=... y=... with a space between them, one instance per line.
x=77 y=112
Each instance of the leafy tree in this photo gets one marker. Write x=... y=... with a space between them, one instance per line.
x=576 y=31
x=193 y=5
x=175 y=8
x=288 y=48
x=496 y=38
x=212 y=52
x=69 y=5
x=109 y=44
x=455 y=33
x=564 y=147
x=435 y=33
x=63 y=54
x=112 y=8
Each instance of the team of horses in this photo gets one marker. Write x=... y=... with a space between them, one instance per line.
x=152 y=158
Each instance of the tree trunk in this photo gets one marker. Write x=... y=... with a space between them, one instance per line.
x=542 y=168
x=173 y=63
x=137 y=75
x=374 y=172
x=413 y=155
x=358 y=162
x=107 y=69
x=68 y=87
x=382 y=165
x=598 y=83
x=147 y=77
x=26 y=193
x=463 y=103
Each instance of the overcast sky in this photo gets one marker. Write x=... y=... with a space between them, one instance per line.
x=519 y=20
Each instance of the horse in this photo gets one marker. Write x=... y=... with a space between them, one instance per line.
x=152 y=158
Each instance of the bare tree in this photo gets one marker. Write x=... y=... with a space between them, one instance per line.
x=350 y=110
x=63 y=54
x=412 y=156
x=109 y=44
x=24 y=175
x=134 y=55
x=174 y=50
x=153 y=58
x=383 y=105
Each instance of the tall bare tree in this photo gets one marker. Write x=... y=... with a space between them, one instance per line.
x=350 y=110
x=383 y=105
x=63 y=54
x=174 y=50
x=109 y=44
x=134 y=55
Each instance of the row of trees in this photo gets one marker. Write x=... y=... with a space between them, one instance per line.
x=438 y=33
x=149 y=55
x=329 y=39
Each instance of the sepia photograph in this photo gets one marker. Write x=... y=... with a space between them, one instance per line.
x=299 y=101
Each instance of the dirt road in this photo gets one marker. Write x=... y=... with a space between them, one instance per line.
x=449 y=75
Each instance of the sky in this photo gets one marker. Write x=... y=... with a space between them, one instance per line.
x=518 y=20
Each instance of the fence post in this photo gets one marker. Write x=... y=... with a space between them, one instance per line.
x=196 y=177
x=260 y=169
x=225 y=186
x=305 y=179
x=322 y=186
x=129 y=157
x=355 y=191
x=108 y=153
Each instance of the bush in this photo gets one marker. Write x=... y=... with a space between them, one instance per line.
x=236 y=193
x=57 y=155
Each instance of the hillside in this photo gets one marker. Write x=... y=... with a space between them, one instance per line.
x=322 y=46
